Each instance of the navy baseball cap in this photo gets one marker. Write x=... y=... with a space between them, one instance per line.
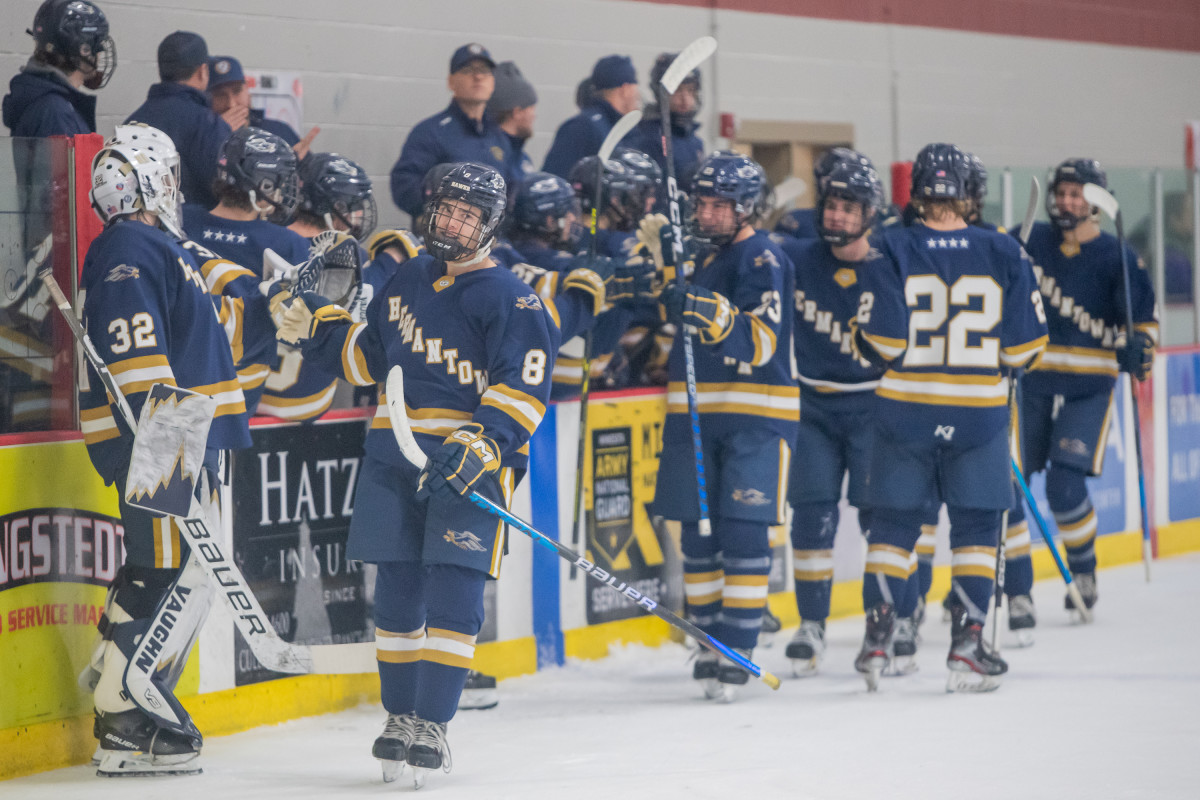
x=224 y=69
x=180 y=52
x=468 y=53
x=613 y=71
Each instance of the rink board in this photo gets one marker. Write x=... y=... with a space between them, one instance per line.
x=58 y=540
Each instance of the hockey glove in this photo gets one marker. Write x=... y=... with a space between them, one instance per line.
x=650 y=235
x=703 y=311
x=400 y=245
x=633 y=281
x=601 y=265
x=861 y=349
x=584 y=280
x=456 y=466
x=1137 y=356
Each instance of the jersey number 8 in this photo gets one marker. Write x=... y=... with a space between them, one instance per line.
x=953 y=349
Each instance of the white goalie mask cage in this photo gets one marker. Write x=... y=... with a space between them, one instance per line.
x=126 y=180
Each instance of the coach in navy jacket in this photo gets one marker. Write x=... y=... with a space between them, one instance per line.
x=615 y=82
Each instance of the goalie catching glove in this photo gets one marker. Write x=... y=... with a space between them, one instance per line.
x=455 y=467
x=705 y=312
x=1137 y=356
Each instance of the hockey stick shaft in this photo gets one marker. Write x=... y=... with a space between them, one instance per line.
x=416 y=456
x=1101 y=197
x=1035 y=197
x=690 y=58
x=248 y=615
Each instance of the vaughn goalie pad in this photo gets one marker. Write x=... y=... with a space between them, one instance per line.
x=168 y=450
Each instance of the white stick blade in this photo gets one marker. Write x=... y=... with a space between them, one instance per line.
x=1102 y=199
x=399 y=416
x=619 y=131
x=688 y=59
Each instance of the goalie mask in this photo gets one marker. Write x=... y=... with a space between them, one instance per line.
x=73 y=35
x=852 y=182
x=730 y=177
x=338 y=191
x=463 y=213
x=263 y=166
x=1073 y=170
x=141 y=136
x=127 y=180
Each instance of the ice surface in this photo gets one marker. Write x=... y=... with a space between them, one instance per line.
x=1102 y=712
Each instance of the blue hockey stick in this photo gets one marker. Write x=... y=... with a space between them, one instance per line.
x=416 y=456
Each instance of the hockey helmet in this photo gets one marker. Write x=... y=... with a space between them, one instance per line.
x=731 y=176
x=464 y=211
x=263 y=166
x=856 y=183
x=546 y=207
x=334 y=187
x=621 y=190
x=75 y=32
x=940 y=172
x=127 y=180
x=1073 y=170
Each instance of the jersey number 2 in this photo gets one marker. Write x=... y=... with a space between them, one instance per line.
x=953 y=349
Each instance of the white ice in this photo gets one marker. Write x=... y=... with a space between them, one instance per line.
x=1106 y=711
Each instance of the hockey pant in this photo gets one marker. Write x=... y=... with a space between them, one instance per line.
x=427 y=618
x=725 y=578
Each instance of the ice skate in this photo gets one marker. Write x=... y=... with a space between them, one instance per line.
x=479 y=692
x=428 y=751
x=730 y=677
x=918 y=618
x=1085 y=582
x=705 y=670
x=950 y=605
x=391 y=748
x=132 y=745
x=771 y=625
x=1022 y=619
x=904 y=648
x=806 y=648
x=973 y=666
x=877 y=644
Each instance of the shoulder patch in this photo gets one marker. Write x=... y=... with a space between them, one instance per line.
x=530 y=302
x=766 y=259
x=121 y=272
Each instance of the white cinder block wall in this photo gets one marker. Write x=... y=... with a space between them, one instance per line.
x=372 y=68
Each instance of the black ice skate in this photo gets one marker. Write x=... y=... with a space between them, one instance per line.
x=950 y=605
x=391 y=748
x=973 y=666
x=132 y=744
x=705 y=670
x=806 y=648
x=730 y=676
x=1022 y=619
x=904 y=648
x=478 y=693
x=771 y=624
x=918 y=617
x=429 y=750
x=1085 y=582
x=877 y=644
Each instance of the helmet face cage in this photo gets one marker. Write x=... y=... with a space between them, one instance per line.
x=464 y=211
x=546 y=207
x=264 y=166
x=77 y=32
x=1073 y=170
x=126 y=180
x=940 y=172
x=621 y=191
x=334 y=187
x=726 y=176
x=857 y=184
x=646 y=173
x=141 y=136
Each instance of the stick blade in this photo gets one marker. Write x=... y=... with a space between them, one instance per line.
x=688 y=59
x=619 y=131
x=399 y=418
x=1101 y=198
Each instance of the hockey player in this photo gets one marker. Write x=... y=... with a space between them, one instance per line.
x=616 y=94
x=738 y=308
x=477 y=347
x=152 y=320
x=687 y=149
x=959 y=311
x=257 y=193
x=837 y=391
x=73 y=51
x=801 y=223
x=1066 y=400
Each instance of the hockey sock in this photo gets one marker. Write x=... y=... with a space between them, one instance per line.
x=926 y=544
x=1066 y=489
x=399 y=632
x=906 y=604
x=454 y=599
x=1018 y=564
x=890 y=563
x=974 y=535
x=746 y=550
x=703 y=577
x=813 y=528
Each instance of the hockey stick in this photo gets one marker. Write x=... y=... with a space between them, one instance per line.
x=1002 y=543
x=416 y=456
x=1100 y=197
x=689 y=59
x=1072 y=589
x=619 y=131
x=248 y=615
x=1035 y=198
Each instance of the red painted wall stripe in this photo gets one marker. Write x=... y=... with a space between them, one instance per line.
x=1162 y=24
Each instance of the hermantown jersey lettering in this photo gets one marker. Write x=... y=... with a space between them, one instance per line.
x=477 y=347
x=1084 y=297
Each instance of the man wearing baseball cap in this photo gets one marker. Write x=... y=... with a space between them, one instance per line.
x=616 y=94
x=514 y=108
x=179 y=107
x=230 y=94
x=462 y=132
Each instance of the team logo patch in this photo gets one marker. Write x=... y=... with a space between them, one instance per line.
x=465 y=541
x=221 y=67
x=750 y=497
x=845 y=277
x=1075 y=447
x=258 y=144
x=497 y=153
x=121 y=273
x=767 y=259
x=530 y=302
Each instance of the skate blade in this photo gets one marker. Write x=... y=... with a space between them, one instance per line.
x=713 y=689
x=391 y=769
x=970 y=682
x=478 y=699
x=96 y=756
x=804 y=668
x=1080 y=617
x=130 y=764
x=728 y=693
x=419 y=774
x=900 y=666
x=872 y=671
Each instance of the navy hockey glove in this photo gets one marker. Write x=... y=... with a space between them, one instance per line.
x=634 y=280
x=862 y=349
x=400 y=245
x=1137 y=356
x=703 y=311
x=456 y=466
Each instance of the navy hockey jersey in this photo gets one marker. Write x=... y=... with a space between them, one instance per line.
x=149 y=313
x=956 y=312
x=1084 y=296
x=477 y=347
x=748 y=375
